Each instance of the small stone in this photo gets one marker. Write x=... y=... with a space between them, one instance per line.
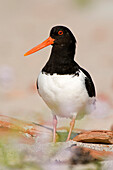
x=95 y=136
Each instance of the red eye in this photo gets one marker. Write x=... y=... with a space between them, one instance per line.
x=60 y=32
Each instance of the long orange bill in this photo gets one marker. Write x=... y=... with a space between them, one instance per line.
x=47 y=42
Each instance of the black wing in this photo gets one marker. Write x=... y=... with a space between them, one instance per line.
x=89 y=83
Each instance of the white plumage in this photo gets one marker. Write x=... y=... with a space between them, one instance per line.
x=65 y=95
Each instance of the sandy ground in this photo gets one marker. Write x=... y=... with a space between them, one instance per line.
x=24 y=24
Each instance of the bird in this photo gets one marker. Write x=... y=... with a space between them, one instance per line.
x=63 y=84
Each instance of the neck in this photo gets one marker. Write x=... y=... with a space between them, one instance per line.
x=61 y=60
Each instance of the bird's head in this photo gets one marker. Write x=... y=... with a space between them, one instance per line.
x=59 y=36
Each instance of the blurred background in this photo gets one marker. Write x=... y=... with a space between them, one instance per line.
x=24 y=24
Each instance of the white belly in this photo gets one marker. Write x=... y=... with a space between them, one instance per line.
x=65 y=95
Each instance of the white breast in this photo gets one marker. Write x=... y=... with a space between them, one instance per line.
x=65 y=95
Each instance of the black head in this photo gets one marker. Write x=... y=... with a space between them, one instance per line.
x=62 y=40
x=62 y=35
x=61 y=60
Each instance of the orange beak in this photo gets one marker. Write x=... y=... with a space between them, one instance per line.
x=47 y=42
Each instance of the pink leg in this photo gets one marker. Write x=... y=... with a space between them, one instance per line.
x=54 y=127
x=72 y=123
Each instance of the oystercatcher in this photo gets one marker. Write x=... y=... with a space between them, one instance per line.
x=64 y=86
